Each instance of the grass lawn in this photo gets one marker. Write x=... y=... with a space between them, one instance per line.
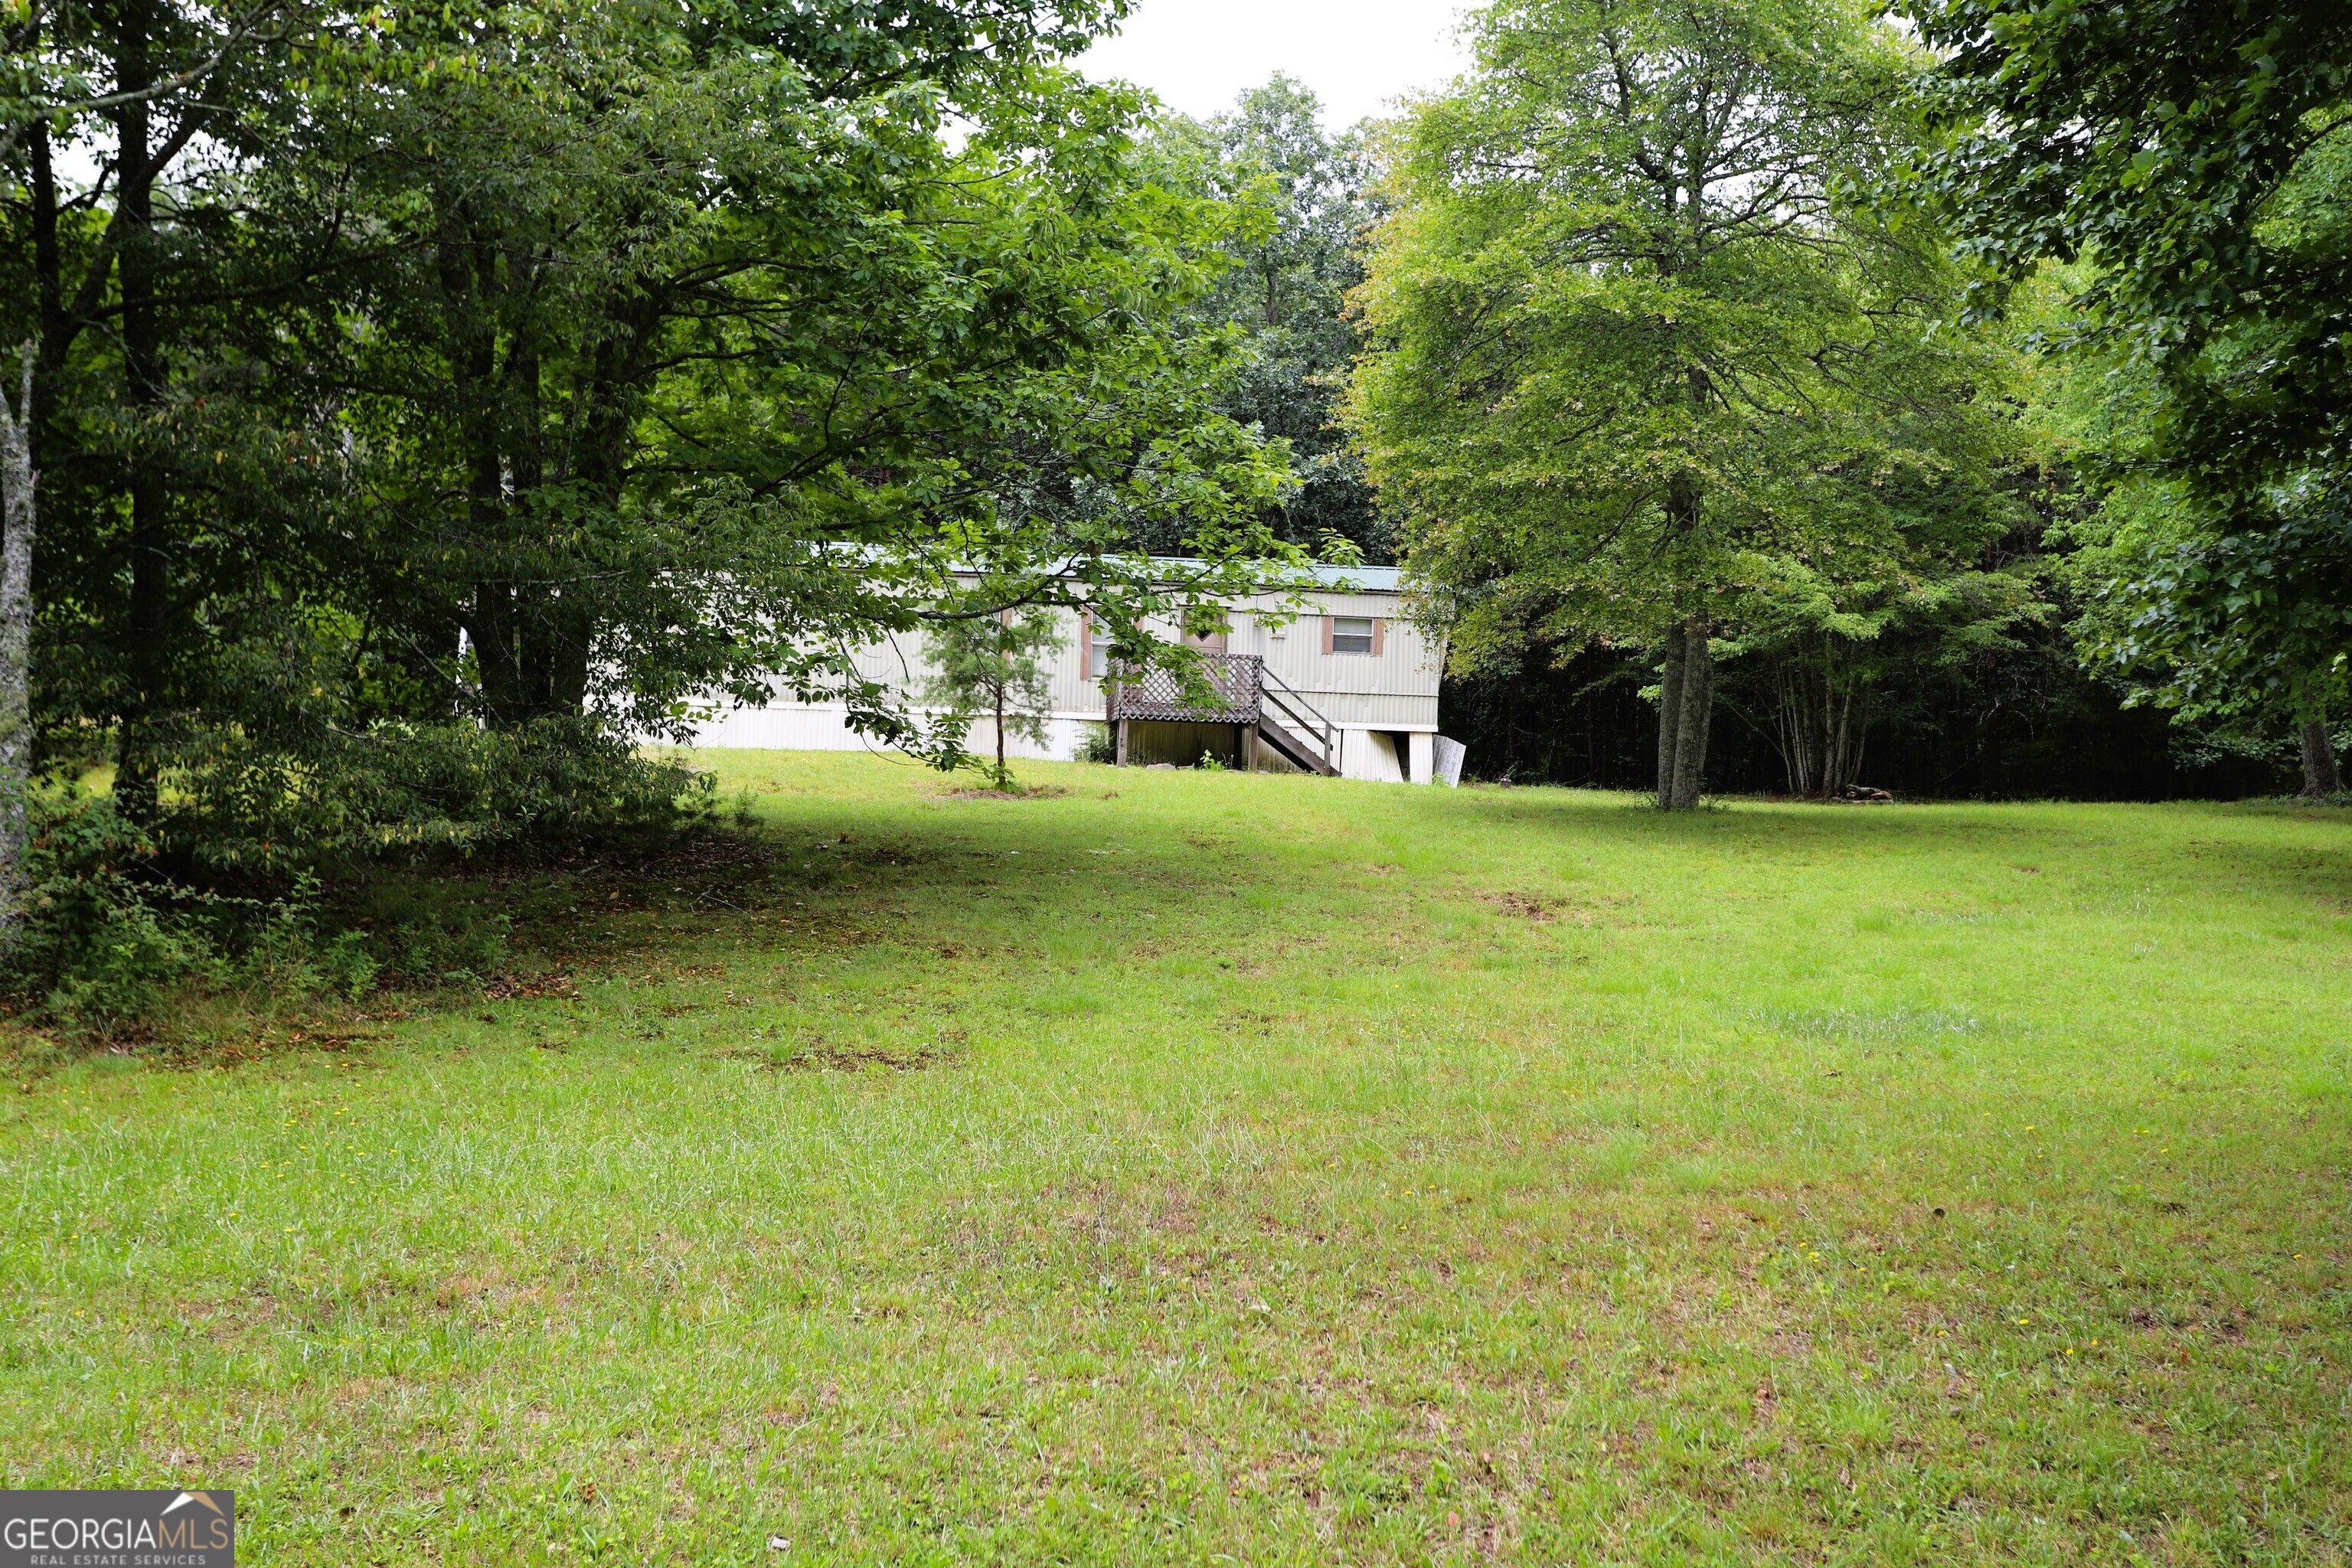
x=1202 y=1167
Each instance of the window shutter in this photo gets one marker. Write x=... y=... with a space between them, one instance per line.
x=1086 y=647
x=1380 y=634
x=1326 y=634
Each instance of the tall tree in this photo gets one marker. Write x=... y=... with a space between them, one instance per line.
x=1641 y=358
x=1283 y=292
x=741 y=325
x=17 y=516
x=128 y=122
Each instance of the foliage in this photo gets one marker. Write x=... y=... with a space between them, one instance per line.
x=1285 y=292
x=2193 y=159
x=403 y=793
x=496 y=389
x=752 y=352
x=1646 y=370
x=574 y=365
x=2226 y=617
x=2194 y=152
x=104 y=933
x=2249 y=627
x=294 y=883
x=1816 y=656
x=2019 y=720
x=424 y=932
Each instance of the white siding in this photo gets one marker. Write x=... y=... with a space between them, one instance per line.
x=1395 y=688
x=825 y=727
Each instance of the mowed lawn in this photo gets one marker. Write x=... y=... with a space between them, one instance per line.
x=1201 y=1167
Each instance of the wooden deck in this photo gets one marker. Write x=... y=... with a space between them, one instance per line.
x=1234 y=689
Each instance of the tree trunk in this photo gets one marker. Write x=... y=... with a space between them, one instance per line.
x=1793 y=720
x=1670 y=716
x=143 y=364
x=1687 y=701
x=16 y=521
x=48 y=269
x=597 y=455
x=466 y=267
x=1696 y=717
x=570 y=629
x=2320 y=774
x=491 y=626
x=1003 y=780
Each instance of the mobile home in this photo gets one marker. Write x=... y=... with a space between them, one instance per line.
x=1340 y=684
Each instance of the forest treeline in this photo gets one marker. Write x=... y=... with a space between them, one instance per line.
x=412 y=410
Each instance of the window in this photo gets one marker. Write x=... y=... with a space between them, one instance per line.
x=1095 y=640
x=1351 y=634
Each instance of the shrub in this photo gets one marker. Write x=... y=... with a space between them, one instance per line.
x=1096 y=744
x=292 y=953
x=230 y=885
x=427 y=930
x=98 y=941
x=419 y=792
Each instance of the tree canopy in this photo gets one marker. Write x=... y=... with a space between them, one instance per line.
x=1646 y=366
x=580 y=364
x=2193 y=159
x=1284 y=293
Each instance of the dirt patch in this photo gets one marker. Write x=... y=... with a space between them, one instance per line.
x=821 y=1055
x=1543 y=909
x=1033 y=792
x=1528 y=905
x=553 y=983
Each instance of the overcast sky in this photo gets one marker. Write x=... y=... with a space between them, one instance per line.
x=1358 y=55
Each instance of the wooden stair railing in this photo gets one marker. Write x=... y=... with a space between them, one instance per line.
x=1307 y=739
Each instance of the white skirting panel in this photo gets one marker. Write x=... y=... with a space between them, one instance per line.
x=795 y=728
x=1369 y=754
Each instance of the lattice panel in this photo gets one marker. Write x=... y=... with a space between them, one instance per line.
x=1159 y=694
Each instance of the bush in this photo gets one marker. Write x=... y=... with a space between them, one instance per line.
x=290 y=952
x=417 y=792
x=1096 y=744
x=99 y=941
x=427 y=931
x=230 y=886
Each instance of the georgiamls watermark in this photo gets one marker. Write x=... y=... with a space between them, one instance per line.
x=117 y=1530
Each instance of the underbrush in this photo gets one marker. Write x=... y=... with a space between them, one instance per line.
x=262 y=891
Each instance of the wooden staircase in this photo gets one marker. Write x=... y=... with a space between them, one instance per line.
x=1300 y=735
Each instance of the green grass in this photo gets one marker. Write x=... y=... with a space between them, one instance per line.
x=1207 y=1167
